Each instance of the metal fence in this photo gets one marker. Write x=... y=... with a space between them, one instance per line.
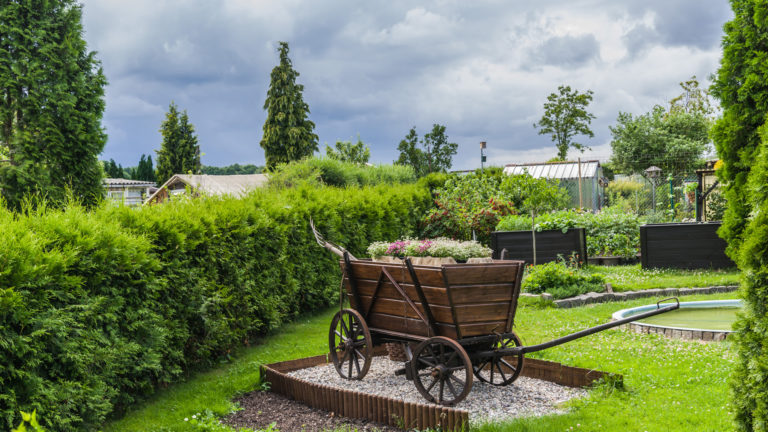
x=660 y=200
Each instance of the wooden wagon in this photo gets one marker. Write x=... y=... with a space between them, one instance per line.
x=458 y=316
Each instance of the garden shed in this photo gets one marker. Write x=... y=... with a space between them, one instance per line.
x=582 y=179
x=128 y=192
x=202 y=184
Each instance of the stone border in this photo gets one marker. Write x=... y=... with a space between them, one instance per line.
x=677 y=333
x=590 y=298
x=396 y=412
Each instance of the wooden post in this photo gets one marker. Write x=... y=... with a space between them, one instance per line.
x=580 y=197
x=533 y=234
x=407 y=419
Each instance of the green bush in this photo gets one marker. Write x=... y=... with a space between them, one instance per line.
x=466 y=204
x=98 y=309
x=534 y=194
x=333 y=172
x=561 y=280
x=611 y=232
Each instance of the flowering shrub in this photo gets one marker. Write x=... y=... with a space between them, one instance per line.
x=560 y=280
x=466 y=204
x=438 y=248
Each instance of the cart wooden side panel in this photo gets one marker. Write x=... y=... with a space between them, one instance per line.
x=464 y=299
x=484 y=296
x=391 y=314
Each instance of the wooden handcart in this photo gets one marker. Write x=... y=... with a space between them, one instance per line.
x=455 y=322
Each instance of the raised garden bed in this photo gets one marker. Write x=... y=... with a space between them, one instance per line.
x=683 y=245
x=550 y=245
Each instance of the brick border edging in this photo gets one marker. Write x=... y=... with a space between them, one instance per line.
x=590 y=298
x=395 y=412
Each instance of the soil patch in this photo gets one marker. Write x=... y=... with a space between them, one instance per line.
x=260 y=409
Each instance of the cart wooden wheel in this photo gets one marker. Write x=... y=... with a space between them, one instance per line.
x=501 y=371
x=442 y=371
x=350 y=344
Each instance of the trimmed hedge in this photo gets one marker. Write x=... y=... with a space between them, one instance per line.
x=97 y=309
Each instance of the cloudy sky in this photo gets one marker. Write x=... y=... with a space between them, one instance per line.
x=375 y=68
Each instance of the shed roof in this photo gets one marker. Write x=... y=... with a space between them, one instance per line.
x=215 y=184
x=556 y=170
x=127 y=182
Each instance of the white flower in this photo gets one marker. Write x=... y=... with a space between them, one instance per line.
x=186 y=419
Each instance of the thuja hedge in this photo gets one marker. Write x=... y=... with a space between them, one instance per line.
x=98 y=309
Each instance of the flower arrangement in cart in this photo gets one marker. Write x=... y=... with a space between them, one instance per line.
x=435 y=248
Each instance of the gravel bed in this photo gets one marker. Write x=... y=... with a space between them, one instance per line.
x=524 y=398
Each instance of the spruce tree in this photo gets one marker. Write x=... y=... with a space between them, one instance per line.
x=288 y=133
x=179 y=153
x=144 y=170
x=113 y=170
x=741 y=139
x=51 y=105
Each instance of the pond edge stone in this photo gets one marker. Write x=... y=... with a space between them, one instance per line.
x=592 y=297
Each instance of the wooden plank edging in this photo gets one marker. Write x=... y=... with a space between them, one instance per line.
x=396 y=412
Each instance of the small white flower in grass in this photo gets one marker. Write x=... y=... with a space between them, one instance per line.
x=186 y=419
x=194 y=416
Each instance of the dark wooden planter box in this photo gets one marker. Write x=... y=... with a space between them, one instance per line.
x=605 y=260
x=683 y=245
x=549 y=244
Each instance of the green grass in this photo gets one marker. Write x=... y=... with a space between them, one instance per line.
x=632 y=277
x=670 y=385
x=215 y=389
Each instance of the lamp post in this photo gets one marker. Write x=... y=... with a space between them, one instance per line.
x=654 y=173
x=482 y=155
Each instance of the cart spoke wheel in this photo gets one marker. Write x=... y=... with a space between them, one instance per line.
x=442 y=371
x=350 y=344
x=501 y=371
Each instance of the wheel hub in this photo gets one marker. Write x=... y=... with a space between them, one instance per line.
x=439 y=371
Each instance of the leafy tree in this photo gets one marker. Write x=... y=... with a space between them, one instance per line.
x=693 y=100
x=288 y=133
x=347 y=152
x=674 y=141
x=233 y=169
x=180 y=153
x=431 y=154
x=51 y=103
x=741 y=139
x=565 y=116
x=144 y=171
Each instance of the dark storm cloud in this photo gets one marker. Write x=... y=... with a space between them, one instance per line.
x=568 y=51
x=377 y=68
x=689 y=23
x=639 y=40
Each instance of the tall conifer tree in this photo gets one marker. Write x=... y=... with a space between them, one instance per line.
x=144 y=170
x=741 y=138
x=51 y=103
x=179 y=153
x=288 y=133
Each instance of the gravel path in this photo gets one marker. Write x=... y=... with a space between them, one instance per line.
x=525 y=397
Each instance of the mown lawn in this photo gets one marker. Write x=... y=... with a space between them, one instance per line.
x=632 y=277
x=669 y=385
